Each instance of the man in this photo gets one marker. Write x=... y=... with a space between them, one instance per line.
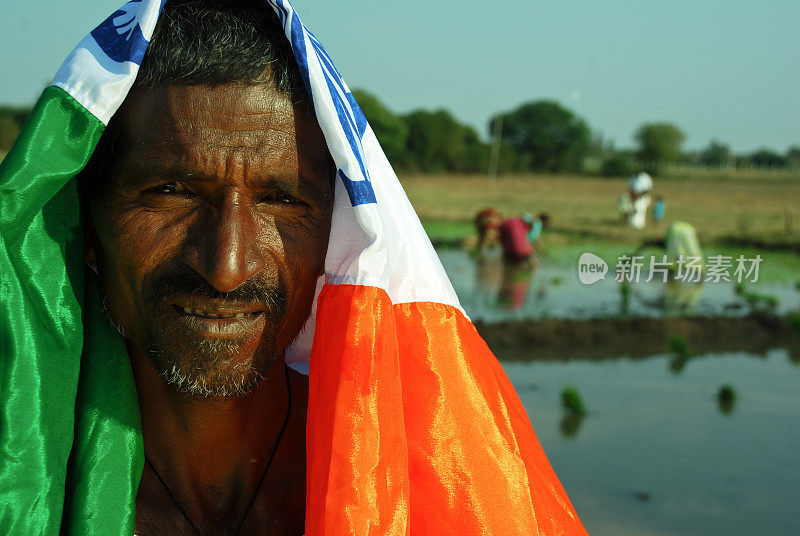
x=210 y=204
x=230 y=220
x=639 y=187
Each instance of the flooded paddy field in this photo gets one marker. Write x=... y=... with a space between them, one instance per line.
x=657 y=454
x=492 y=291
x=658 y=451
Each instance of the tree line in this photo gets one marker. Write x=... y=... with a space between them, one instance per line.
x=537 y=136
x=11 y=120
x=541 y=136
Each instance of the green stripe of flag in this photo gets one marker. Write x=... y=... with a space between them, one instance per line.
x=42 y=338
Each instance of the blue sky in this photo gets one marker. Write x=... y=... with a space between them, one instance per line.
x=724 y=70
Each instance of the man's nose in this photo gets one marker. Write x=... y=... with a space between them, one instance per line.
x=224 y=249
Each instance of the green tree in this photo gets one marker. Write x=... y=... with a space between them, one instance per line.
x=18 y=113
x=9 y=130
x=767 y=158
x=390 y=129
x=659 y=144
x=438 y=142
x=546 y=137
x=11 y=120
x=617 y=165
x=716 y=154
x=793 y=156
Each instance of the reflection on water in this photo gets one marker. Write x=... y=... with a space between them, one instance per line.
x=676 y=298
x=488 y=275
x=725 y=406
x=707 y=463
x=491 y=291
x=499 y=284
x=681 y=298
x=685 y=442
x=726 y=399
x=570 y=424
x=517 y=279
x=678 y=363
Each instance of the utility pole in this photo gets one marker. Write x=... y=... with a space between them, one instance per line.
x=494 y=157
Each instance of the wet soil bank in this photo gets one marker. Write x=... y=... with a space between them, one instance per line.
x=599 y=339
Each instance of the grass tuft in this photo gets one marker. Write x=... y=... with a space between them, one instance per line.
x=679 y=346
x=571 y=401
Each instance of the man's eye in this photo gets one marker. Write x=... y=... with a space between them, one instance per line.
x=168 y=188
x=281 y=198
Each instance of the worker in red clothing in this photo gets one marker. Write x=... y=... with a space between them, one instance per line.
x=517 y=246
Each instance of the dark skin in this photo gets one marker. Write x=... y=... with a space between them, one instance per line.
x=232 y=184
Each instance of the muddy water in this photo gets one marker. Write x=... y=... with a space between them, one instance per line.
x=657 y=455
x=491 y=291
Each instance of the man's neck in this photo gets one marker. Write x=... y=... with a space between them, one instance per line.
x=211 y=453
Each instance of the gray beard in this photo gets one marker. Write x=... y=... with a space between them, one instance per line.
x=204 y=368
x=208 y=368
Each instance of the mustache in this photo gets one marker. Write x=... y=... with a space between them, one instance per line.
x=252 y=292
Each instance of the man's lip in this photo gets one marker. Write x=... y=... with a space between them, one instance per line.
x=213 y=310
x=221 y=327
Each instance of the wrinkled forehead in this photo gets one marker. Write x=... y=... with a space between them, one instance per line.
x=254 y=118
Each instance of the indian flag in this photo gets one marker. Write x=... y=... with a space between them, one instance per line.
x=413 y=427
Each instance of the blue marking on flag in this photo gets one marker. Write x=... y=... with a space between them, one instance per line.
x=347 y=124
x=120 y=36
x=281 y=13
x=300 y=54
x=360 y=192
x=351 y=118
x=361 y=121
x=347 y=119
x=355 y=114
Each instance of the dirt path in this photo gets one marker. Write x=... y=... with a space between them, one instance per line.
x=563 y=340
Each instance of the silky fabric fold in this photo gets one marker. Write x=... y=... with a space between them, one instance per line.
x=476 y=463
x=458 y=452
x=41 y=328
x=357 y=470
x=106 y=416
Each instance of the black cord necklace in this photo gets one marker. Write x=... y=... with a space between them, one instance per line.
x=260 y=480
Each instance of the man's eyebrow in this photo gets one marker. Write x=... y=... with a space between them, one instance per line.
x=151 y=172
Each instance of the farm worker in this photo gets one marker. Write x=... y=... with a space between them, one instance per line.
x=624 y=206
x=535 y=225
x=639 y=187
x=487 y=222
x=514 y=238
x=681 y=245
x=640 y=183
x=255 y=334
x=659 y=209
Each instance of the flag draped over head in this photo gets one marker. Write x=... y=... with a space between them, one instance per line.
x=413 y=428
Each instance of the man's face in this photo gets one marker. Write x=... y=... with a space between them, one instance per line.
x=211 y=230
